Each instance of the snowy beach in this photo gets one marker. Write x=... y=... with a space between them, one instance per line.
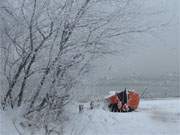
x=157 y=117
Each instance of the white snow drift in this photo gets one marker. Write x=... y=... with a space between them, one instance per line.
x=154 y=117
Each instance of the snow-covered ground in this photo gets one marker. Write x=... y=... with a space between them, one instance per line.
x=154 y=117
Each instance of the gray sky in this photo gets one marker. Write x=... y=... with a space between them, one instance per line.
x=154 y=54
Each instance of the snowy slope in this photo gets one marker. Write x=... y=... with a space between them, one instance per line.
x=155 y=117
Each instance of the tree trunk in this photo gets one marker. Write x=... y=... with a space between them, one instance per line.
x=39 y=88
x=20 y=95
x=16 y=76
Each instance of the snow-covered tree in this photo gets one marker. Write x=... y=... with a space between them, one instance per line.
x=46 y=45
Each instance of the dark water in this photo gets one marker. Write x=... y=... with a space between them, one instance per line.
x=159 y=87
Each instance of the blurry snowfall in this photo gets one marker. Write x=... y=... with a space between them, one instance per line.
x=153 y=117
x=151 y=61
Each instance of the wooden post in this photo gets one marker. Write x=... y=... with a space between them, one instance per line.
x=81 y=108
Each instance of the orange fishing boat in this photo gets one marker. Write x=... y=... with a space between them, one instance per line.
x=124 y=101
